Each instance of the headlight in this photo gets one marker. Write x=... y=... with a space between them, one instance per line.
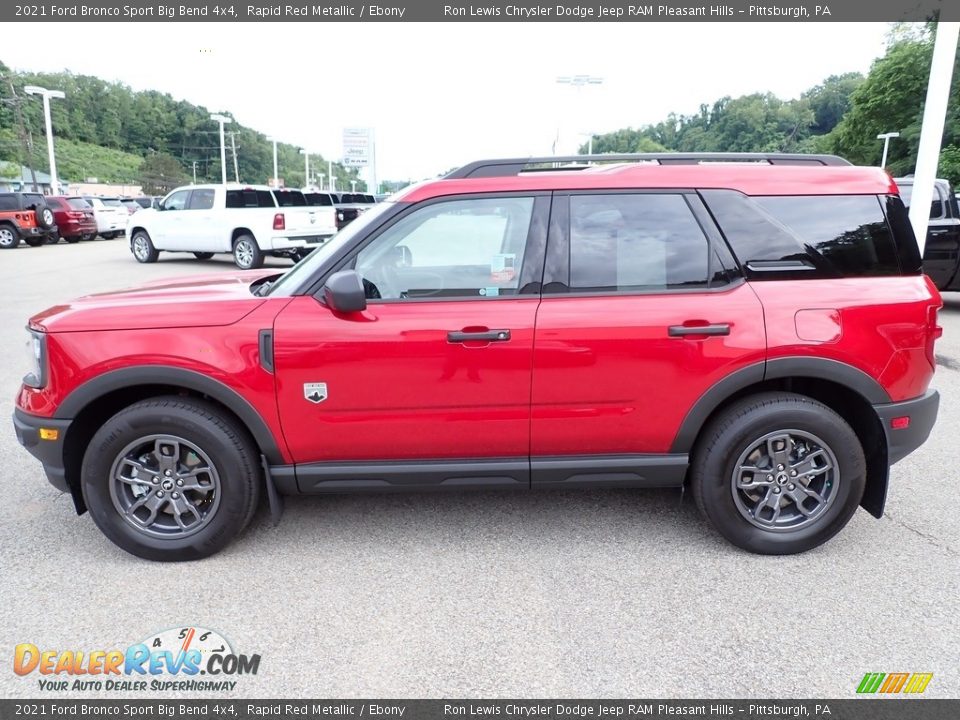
x=37 y=360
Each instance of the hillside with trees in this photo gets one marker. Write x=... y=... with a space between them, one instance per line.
x=842 y=115
x=109 y=131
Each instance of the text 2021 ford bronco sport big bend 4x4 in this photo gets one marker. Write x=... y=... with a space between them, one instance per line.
x=757 y=327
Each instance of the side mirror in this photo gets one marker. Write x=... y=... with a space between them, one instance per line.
x=344 y=293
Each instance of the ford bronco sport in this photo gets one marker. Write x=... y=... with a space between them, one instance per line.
x=756 y=327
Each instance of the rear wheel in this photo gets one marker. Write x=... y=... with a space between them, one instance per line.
x=246 y=253
x=142 y=247
x=52 y=238
x=778 y=473
x=171 y=479
x=35 y=241
x=73 y=239
x=203 y=255
x=9 y=237
x=90 y=236
x=108 y=235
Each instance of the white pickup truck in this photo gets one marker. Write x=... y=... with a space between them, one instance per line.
x=249 y=221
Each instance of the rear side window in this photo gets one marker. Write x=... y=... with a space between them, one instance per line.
x=249 y=199
x=644 y=242
x=290 y=198
x=806 y=236
x=112 y=202
x=201 y=199
x=9 y=202
x=32 y=200
x=79 y=204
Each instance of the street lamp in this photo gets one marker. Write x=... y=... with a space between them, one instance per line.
x=276 y=177
x=306 y=167
x=886 y=144
x=353 y=186
x=579 y=82
x=47 y=94
x=223 y=120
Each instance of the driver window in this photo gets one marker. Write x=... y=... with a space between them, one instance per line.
x=454 y=249
x=177 y=201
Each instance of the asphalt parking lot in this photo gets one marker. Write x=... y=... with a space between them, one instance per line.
x=568 y=594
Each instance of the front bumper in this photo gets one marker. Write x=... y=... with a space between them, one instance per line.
x=922 y=414
x=48 y=452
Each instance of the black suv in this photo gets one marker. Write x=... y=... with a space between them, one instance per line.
x=941 y=254
x=26 y=216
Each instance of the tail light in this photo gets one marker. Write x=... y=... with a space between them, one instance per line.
x=279 y=222
x=934 y=332
x=76 y=215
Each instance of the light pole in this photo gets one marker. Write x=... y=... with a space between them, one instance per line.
x=330 y=175
x=47 y=94
x=579 y=82
x=306 y=167
x=353 y=186
x=320 y=186
x=886 y=144
x=276 y=177
x=222 y=119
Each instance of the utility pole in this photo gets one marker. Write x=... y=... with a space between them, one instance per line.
x=330 y=175
x=194 y=172
x=222 y=119
x=233 y=144
x=46 y=95
x=25 y=141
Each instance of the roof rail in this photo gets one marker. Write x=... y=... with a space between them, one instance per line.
x=514 y=166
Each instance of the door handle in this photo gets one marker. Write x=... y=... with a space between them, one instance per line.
x=684 y=330
x=459 y=336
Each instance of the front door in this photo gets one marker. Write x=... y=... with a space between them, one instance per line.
x=431 y=384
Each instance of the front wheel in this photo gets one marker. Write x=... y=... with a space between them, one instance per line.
x=246 y=253
x=142 y=247
x=171 y=479
x=35 y=241
x=778 y=473
x=9 y=238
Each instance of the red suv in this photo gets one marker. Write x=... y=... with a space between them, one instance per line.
x=754 y=326
x=74 y=216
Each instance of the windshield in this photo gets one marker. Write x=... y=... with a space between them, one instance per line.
x=291 y=282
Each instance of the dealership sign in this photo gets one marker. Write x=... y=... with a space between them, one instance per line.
x=357 y=147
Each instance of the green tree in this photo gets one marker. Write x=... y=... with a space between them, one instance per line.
x=160 y=173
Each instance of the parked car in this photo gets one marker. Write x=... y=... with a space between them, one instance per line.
x=760 y=332
x=250 y=222
x=74 y=217
x=146 y=201
x=25 y=216
x=131 y=205
x=111 y=215
x=941 y=252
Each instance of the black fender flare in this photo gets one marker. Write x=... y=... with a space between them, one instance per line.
x=785 y=367
x=130 y=377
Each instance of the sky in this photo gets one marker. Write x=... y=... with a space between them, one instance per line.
x=441 y=94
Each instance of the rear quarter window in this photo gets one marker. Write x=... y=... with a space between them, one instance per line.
x=249 y=199
x=290 y=198
x=806 y=236
x=79 y=204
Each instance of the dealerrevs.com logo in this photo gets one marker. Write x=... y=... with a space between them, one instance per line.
x=180 y=659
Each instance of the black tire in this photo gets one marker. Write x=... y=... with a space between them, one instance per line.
x=45 y=218
x=108 y=235
x=9 y=236
x=226 y=510
x=720 y=455
x=89 y=236
x=74 y=239
x=203 y=255
x=246 y=253
x=35 y=241
x=52 y=238
x=142 y=247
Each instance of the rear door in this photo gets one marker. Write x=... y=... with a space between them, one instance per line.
x=438 y=366
x=642 y=312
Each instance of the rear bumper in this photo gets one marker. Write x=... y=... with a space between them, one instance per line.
x=922 y=412
x=48 y=452
x=299 y=241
